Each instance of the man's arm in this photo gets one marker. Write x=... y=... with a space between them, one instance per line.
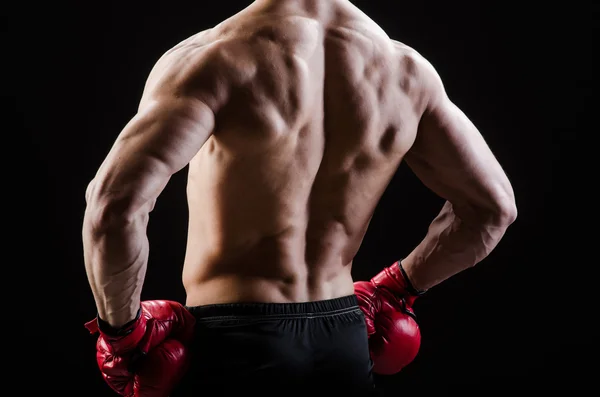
x=159 y=141
x=451 y=157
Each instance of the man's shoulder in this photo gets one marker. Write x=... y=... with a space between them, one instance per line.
x=202 y=63
x=186 y=56
x=417 y=75
x=410 y=57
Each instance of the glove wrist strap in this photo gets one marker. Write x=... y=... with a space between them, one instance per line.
x=395 y=279
x=116 y=332
x=409 y=287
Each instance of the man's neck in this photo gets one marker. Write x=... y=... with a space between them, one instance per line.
x=299 y=4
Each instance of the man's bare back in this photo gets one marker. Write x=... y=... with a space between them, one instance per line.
x=316 y=119
x=293 y=117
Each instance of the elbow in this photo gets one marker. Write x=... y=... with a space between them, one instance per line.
x=504 y=212
x=499 y=212
x=506 y=206
x=507 y=216
x=106 y=211
x=106 y=215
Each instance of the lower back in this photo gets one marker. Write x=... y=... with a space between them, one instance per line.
x=270 y=271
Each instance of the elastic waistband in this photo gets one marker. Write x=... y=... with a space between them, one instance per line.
x=328 y=307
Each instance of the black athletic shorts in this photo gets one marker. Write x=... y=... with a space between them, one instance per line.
x=279 y=349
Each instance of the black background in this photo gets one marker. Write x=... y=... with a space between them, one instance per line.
x=522 y=73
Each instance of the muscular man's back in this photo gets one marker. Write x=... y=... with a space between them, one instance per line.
x=293 y=116
x=315 y=115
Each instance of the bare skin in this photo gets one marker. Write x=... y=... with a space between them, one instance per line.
x=293 y=117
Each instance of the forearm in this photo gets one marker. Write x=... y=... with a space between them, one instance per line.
x=452 y=244
x=116 y=256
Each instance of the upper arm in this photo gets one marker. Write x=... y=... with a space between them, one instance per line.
x=452 y=158
x=159 y=141
x=176 y=116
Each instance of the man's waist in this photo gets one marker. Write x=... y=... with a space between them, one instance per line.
x=238 y=288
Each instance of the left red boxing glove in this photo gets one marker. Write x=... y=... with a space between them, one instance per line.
x=149 y=356
x=394 y=335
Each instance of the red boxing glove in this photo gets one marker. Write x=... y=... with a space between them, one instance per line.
x=394 y=335
x=147 y=357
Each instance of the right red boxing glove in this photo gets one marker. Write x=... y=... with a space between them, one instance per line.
x=148 y=357
x=394 y=335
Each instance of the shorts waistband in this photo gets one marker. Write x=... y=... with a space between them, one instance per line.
x=321 y=308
